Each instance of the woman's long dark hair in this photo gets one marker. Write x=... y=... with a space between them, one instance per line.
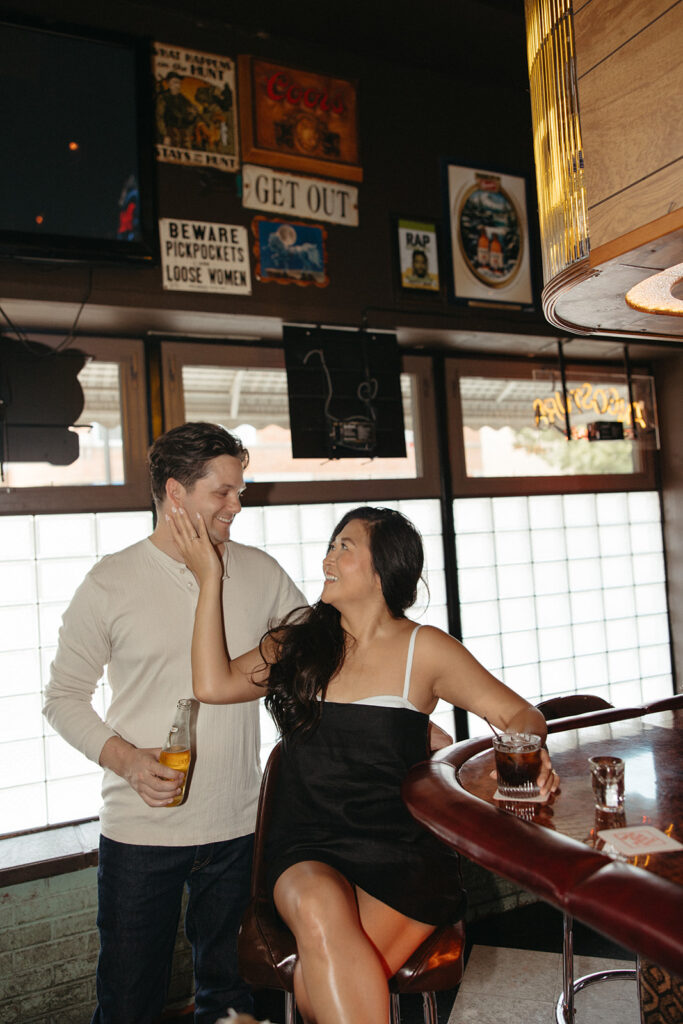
x=310 y=649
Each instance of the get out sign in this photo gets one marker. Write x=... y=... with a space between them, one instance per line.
x=295 y=196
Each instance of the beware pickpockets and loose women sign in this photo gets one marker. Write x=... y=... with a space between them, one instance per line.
x=198 y=256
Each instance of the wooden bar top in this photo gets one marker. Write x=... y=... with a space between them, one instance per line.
x=652 y=749
x=552 y=848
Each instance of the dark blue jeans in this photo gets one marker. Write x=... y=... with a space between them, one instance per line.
x=140 y=892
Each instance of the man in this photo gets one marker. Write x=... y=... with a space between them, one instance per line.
x=176 y=114
x=134 y=612
x=417 y=275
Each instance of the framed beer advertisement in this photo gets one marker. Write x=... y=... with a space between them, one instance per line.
x=298 y=120
x=488 y=235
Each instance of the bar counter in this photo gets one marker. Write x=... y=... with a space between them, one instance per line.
x=553 y=849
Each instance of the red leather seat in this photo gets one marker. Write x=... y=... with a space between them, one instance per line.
x=572 y=704
x=672 y=703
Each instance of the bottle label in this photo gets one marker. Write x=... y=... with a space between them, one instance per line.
x=176 y=759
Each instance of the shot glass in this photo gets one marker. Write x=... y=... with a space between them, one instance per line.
x=608 y=782
x=518 y=763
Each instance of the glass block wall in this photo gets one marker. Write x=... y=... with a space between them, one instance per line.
x=43 y=560
x=566 y=594
x=559 y=594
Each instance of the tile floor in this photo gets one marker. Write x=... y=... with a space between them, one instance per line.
x=526 y=943
x=522 y=987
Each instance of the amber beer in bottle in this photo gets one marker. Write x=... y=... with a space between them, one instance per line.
x=176 y=752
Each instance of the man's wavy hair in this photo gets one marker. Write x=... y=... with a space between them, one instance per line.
x=184 y=452
x=310 y=649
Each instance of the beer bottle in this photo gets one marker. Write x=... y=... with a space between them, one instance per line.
x=176 y=752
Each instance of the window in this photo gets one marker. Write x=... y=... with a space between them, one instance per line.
x=566 y=593
x=293 y=505
x=109 y=472
x=255 y=405
x=43 y=559
x=513 y=424
x=244 y=388
x=562 y=588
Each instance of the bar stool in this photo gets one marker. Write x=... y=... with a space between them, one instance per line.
x=572 y=704
x=564 y=707
x=267 y=949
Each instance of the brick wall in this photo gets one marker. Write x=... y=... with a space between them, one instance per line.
x=49 y=944
x=489 y=894
x=48 y=951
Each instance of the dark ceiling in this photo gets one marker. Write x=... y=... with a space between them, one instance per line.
x=463 y=38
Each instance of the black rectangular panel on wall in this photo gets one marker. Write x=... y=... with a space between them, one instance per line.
x=344 y=393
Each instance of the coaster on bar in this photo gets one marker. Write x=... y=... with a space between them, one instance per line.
x=638 y=839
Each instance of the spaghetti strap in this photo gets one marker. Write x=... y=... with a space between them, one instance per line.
x=409 y=663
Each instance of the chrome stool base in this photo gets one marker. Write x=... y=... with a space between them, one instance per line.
x=562 y=1011
x=429 y=1008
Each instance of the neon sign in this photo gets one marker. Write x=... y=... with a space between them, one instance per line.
x=585 y=398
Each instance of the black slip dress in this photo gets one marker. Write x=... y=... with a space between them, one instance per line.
x=338 y=800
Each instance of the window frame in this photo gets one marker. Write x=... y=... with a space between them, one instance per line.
x=463 y=486
x=134 y=493
x=176 y=354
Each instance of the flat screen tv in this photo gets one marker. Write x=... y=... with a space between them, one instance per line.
x=77 y=167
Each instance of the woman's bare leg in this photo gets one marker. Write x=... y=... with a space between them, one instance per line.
x=342 y=979
x=303 y=1002
x=393 y=935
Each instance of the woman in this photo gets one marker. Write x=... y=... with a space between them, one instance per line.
x=351 y=684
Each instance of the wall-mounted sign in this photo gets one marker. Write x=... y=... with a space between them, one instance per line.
x=489 y=237
x=292 y=196
x=298 y=120
x=598 y=401
x=196 y=113
x=197 y=256
x=344 y=393
x=418 y=256
x=290 y=252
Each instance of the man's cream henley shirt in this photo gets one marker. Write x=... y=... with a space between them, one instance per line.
x=134 y=613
